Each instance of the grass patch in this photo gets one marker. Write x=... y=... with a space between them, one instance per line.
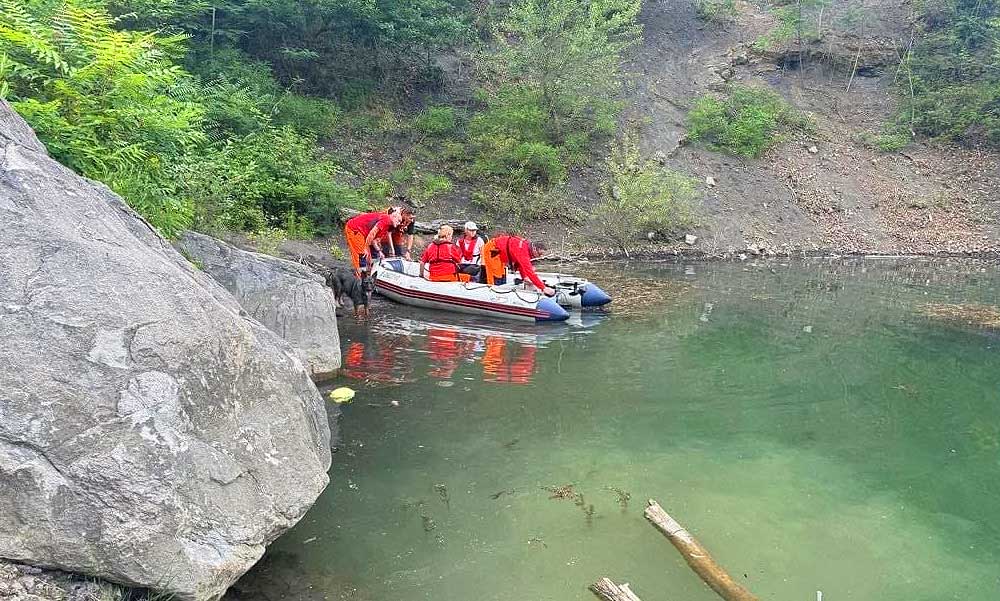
x=716 y=12
x=746 y=121
x=430 y=186
x=437 y=121
x=888 y=141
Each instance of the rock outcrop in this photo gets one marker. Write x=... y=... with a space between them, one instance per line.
x=151 y=434
x=289 y=298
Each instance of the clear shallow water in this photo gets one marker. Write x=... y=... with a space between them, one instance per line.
x=803 y=421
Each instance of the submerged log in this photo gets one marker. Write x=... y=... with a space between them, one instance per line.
x=697 y=556
x=609 y=591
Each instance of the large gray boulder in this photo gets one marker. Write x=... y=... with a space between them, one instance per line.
x=290 y=299
x=150 y=432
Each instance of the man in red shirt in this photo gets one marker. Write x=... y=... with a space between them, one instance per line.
x=513 y=252
x=365 y=230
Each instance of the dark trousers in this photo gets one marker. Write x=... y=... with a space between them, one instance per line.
x=472 y=270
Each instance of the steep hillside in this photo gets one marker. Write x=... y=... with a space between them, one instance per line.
x=827 y=190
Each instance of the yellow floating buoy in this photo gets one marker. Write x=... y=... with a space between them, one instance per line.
x=341 y=395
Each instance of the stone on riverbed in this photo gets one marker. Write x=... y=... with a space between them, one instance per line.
x=289 y=298
x=150 y=433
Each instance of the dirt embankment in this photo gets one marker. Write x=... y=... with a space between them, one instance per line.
x=826 y=191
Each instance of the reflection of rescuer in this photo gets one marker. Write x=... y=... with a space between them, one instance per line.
x=446 y=350
x=508 y=252
x=364 y=231
x=496 y=367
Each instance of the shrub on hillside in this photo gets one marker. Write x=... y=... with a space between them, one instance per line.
x=509 y=140
x=745 y=122
x=951 y=83
x=316 y=117
x=641 y=196
x=431 y=186
x=716 y=11
x=108 y=103
x=436 y=121
x=259 y=180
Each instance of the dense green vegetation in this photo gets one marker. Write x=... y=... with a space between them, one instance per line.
x=269 y=116
x=211 y=114
x=641 y=196
x=952 y=84
x=234 y=152
x=746 y=121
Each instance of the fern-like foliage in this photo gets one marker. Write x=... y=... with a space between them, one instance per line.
x=102 y=99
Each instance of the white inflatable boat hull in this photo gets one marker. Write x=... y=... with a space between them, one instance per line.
x=399 y=280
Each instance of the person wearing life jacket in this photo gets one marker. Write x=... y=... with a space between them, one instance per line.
x=441 y=259
x=400 y=238
x=363 y=233
x=509 y=252
x=470 y=246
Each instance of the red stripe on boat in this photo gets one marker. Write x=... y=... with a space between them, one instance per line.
x=475 y=304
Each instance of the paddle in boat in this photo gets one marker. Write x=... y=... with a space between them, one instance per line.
x=400 y=280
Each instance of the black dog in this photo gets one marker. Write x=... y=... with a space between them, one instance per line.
x=358 y=290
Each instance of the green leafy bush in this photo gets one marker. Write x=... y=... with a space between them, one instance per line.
x=298 y=227
x=316 y=117
x=951 y=79
x=539 y=161
x=431 y=186
x=509 y=140
x=436 y=121
x=716 y=11
x=108 y=103
x=641 y=196
x=569 y=53
x=260 y=179
x=376 y=189
x=744 y=122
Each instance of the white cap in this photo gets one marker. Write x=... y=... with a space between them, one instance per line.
x=471 y=225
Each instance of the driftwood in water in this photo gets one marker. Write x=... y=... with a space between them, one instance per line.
x=422 y=227
x=696 y=556
x=609 y=591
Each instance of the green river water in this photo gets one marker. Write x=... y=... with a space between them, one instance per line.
x=802 y=419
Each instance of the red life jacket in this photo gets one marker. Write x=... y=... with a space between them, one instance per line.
x=467 y=246
x=442 y=257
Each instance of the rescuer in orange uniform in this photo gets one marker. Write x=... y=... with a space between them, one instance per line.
x=365 y=231
x=507 y=251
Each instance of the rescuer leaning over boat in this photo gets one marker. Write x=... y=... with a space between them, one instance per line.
x=509 y=252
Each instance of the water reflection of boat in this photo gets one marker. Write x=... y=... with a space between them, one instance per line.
x=398 y=349
x=578 y=323
x=400 y=281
